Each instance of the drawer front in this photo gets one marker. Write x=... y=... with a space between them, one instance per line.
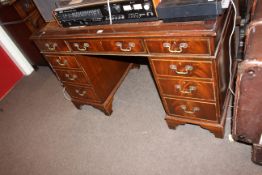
x=84 y=93
x=52 y=45
x=191 y=109
x=63 y=62
x=198 y=46
x=72 y=76
x=123 y=45
x=182 y=68
x=187 y=89
x=86 y=45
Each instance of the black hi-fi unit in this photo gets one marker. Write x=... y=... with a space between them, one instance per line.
x=188 y=10
x=96 y=12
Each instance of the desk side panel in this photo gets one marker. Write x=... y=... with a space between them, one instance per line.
x=105 y=74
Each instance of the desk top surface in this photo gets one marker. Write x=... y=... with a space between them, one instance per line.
x=144 y=29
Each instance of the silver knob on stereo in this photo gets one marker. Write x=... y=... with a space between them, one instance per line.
x=147 y=6
x=117 y=8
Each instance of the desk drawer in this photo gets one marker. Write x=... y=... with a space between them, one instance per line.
x=72 y=76
x=85 y=45
x=63 y=62
x=197 y=46
x=183 y=68
x=187 y=89
x=123 y=45
x=191 y=109
x=52 y=45
x=84 y=93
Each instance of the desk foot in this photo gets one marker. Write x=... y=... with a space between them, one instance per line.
x=172 y=124
x=216 y=129
x=106 y=108
x=78 y=105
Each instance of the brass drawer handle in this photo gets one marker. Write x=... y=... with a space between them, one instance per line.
x=71 y=77
x=190 y=90
x=194 y=110
x=179 y=50
x=188 y=68
x=80 y=93
x=59 y=61
x=51 y=46
x=130 y=46
x=85 y=46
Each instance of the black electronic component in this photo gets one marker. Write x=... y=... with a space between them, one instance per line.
x=97 y=13
x=188 y=10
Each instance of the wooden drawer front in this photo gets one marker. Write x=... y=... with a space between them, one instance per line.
x=87 y=45
x=81 y=92
x=63 y=62
x=196 y=46
x=188 y=89
x=191 y=109
x=183 y=68
x=72 y=76
x=123 y=45
x=52 y=45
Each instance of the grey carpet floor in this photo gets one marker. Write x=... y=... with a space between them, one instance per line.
x=41 y=133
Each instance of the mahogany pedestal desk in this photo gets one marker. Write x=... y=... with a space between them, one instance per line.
x=189 y=61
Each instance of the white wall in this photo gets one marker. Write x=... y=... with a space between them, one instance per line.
x=15 y=54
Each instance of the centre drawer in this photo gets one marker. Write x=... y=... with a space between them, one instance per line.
x=72 y=76
x=123 y=45
x=191 y=109
x=85 y=45
x=187 y=89
x=182 y=68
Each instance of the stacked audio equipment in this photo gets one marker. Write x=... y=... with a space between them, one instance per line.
x=93 y=12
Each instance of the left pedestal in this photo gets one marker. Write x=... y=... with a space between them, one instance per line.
x=89 y=80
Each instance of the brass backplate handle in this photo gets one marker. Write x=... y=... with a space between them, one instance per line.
x=188 y=68
x=128 y=49
x=51 y=46
x=80 y=93
x=178 y=50
x=193 y=111
x=61 y=63
x=84 y=48
x=190 y=89
x=71 y=77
